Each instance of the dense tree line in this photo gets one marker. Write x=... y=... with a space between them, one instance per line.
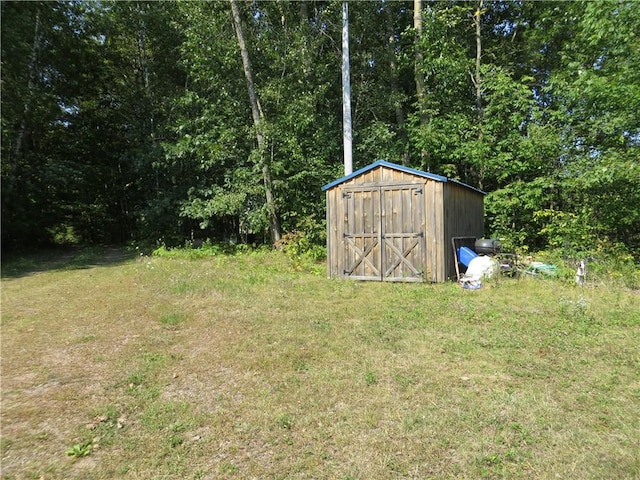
x=132 y=120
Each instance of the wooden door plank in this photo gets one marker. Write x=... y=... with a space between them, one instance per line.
x=401 y=258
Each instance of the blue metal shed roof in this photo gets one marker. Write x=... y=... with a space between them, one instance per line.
x=402 y=168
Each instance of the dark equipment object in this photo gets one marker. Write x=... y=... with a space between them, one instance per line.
x=488 y=246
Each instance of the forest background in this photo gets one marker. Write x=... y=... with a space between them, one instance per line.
x=131 y=121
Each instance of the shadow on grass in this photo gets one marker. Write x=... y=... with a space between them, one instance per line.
x=15 y=265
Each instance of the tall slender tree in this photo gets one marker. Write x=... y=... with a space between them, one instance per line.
x=347 y=128
x=258 y=121
x=396 y=95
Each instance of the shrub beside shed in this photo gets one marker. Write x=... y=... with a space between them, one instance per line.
x=388 y=222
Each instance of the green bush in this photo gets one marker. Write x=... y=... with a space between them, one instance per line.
x=607 y=263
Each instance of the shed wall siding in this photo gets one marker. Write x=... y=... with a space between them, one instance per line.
x=445 y=210
x=463 y=216
x=431 y=219
x=381 y=175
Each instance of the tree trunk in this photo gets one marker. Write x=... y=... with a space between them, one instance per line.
x=258 y=119
x=477 y=79
x=304 y=12
x=395 y=91
x=477 y=82
x=31 y=74
x=419 y=57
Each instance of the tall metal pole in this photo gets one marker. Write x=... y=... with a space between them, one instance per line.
x=347 y=134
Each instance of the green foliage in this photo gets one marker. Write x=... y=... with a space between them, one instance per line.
x=563 y=229
x=79 y=449
x=286 y=421
x=306 y=247
x=207 y=249
x=128 y=121
x=370 y=378
x=299 y=246
x=172 y=319
x=512 y=211
x=63 y=235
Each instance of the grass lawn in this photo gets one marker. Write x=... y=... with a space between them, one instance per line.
x=240 y=367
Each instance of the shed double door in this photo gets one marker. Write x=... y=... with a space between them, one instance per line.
x=383 y=232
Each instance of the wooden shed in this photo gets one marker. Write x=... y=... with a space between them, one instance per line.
x=387 y=222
